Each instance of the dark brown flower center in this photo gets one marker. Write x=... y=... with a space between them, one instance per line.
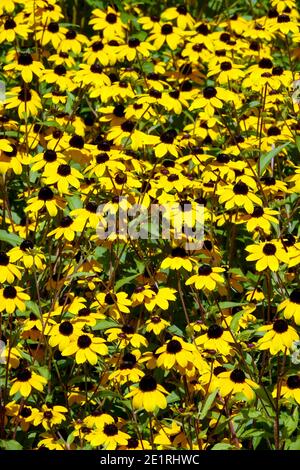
x=280 y=326
x=148 y=384
x=24 y=375
x=9 y=292
x=293 y=382
x=237 y=376
x=45 y=194
x=214 y=331
x=66 y=328
x=269 y=249
x=110 y=429
x=174 y=346
x=84 y=341
x=204 y=270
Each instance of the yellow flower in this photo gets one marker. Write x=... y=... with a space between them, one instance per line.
x=267 y=255
x=49 y=416
x=235 y=382
x=8 y=271
x=148 y=395
x=156 y=324
x=216 y=339
x=178 y=259
x=63 y=175
x=26 y=381
x=290 y=389
x=11 y=298
x=175 y=352
x=279 y=337
x=291 y=306
x=110 y=437
x=86 y=347
x=206 y=278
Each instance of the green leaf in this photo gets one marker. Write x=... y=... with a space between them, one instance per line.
x=235 y=321
x=104 y=325
x=126 y=280
x=10 y=445
x=265 y=159
x=207 y=404
x=175 y=330
x=224 y=305
x=10 y=238
x=223 y=446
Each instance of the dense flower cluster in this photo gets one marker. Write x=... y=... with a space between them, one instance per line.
x=128 y=343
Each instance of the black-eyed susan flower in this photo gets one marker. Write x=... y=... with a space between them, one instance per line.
x=26 y=100
x=291 y=306
x=134 y=443
x=183 y=18
x=239 y=195
x=216 y=339
x=49 y=416
x=156 y=324
x=52 y=32
x=25 y=381
x=261 y=218
x=110 y=437
x=27 y=66
x=162 y=297
x=179 y=259
x=62 y=334
x=127 y=370
x=28 y=254
x=8 y=271
x=211 y=98
x=175 y=352
x=13 y=297
x=10 y=28
x=109 y=22
x=45 y=199
x=125 y=336
x=134 y=48
x=64 y=176
x=165 y=33
x=86 y=348
x=267 y=255
x=290 y=389
x=236 y=382
x=148 y=395
x=278 y=337
x=207 y=277
x=115 y=304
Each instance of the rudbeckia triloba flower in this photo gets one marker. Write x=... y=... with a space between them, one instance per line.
x=26 y=381
x=49 y=416
x=178 y=259
x=207 y=277
x=291 y=306
x=176 y=351
x=235 y=382
x=216 y=339
x=148 y=395
x=110 y=437
x=116 y=120
x=290 y=389
x=278 y=337
x=13 y=297
x=267 y=255
x=85 y=347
